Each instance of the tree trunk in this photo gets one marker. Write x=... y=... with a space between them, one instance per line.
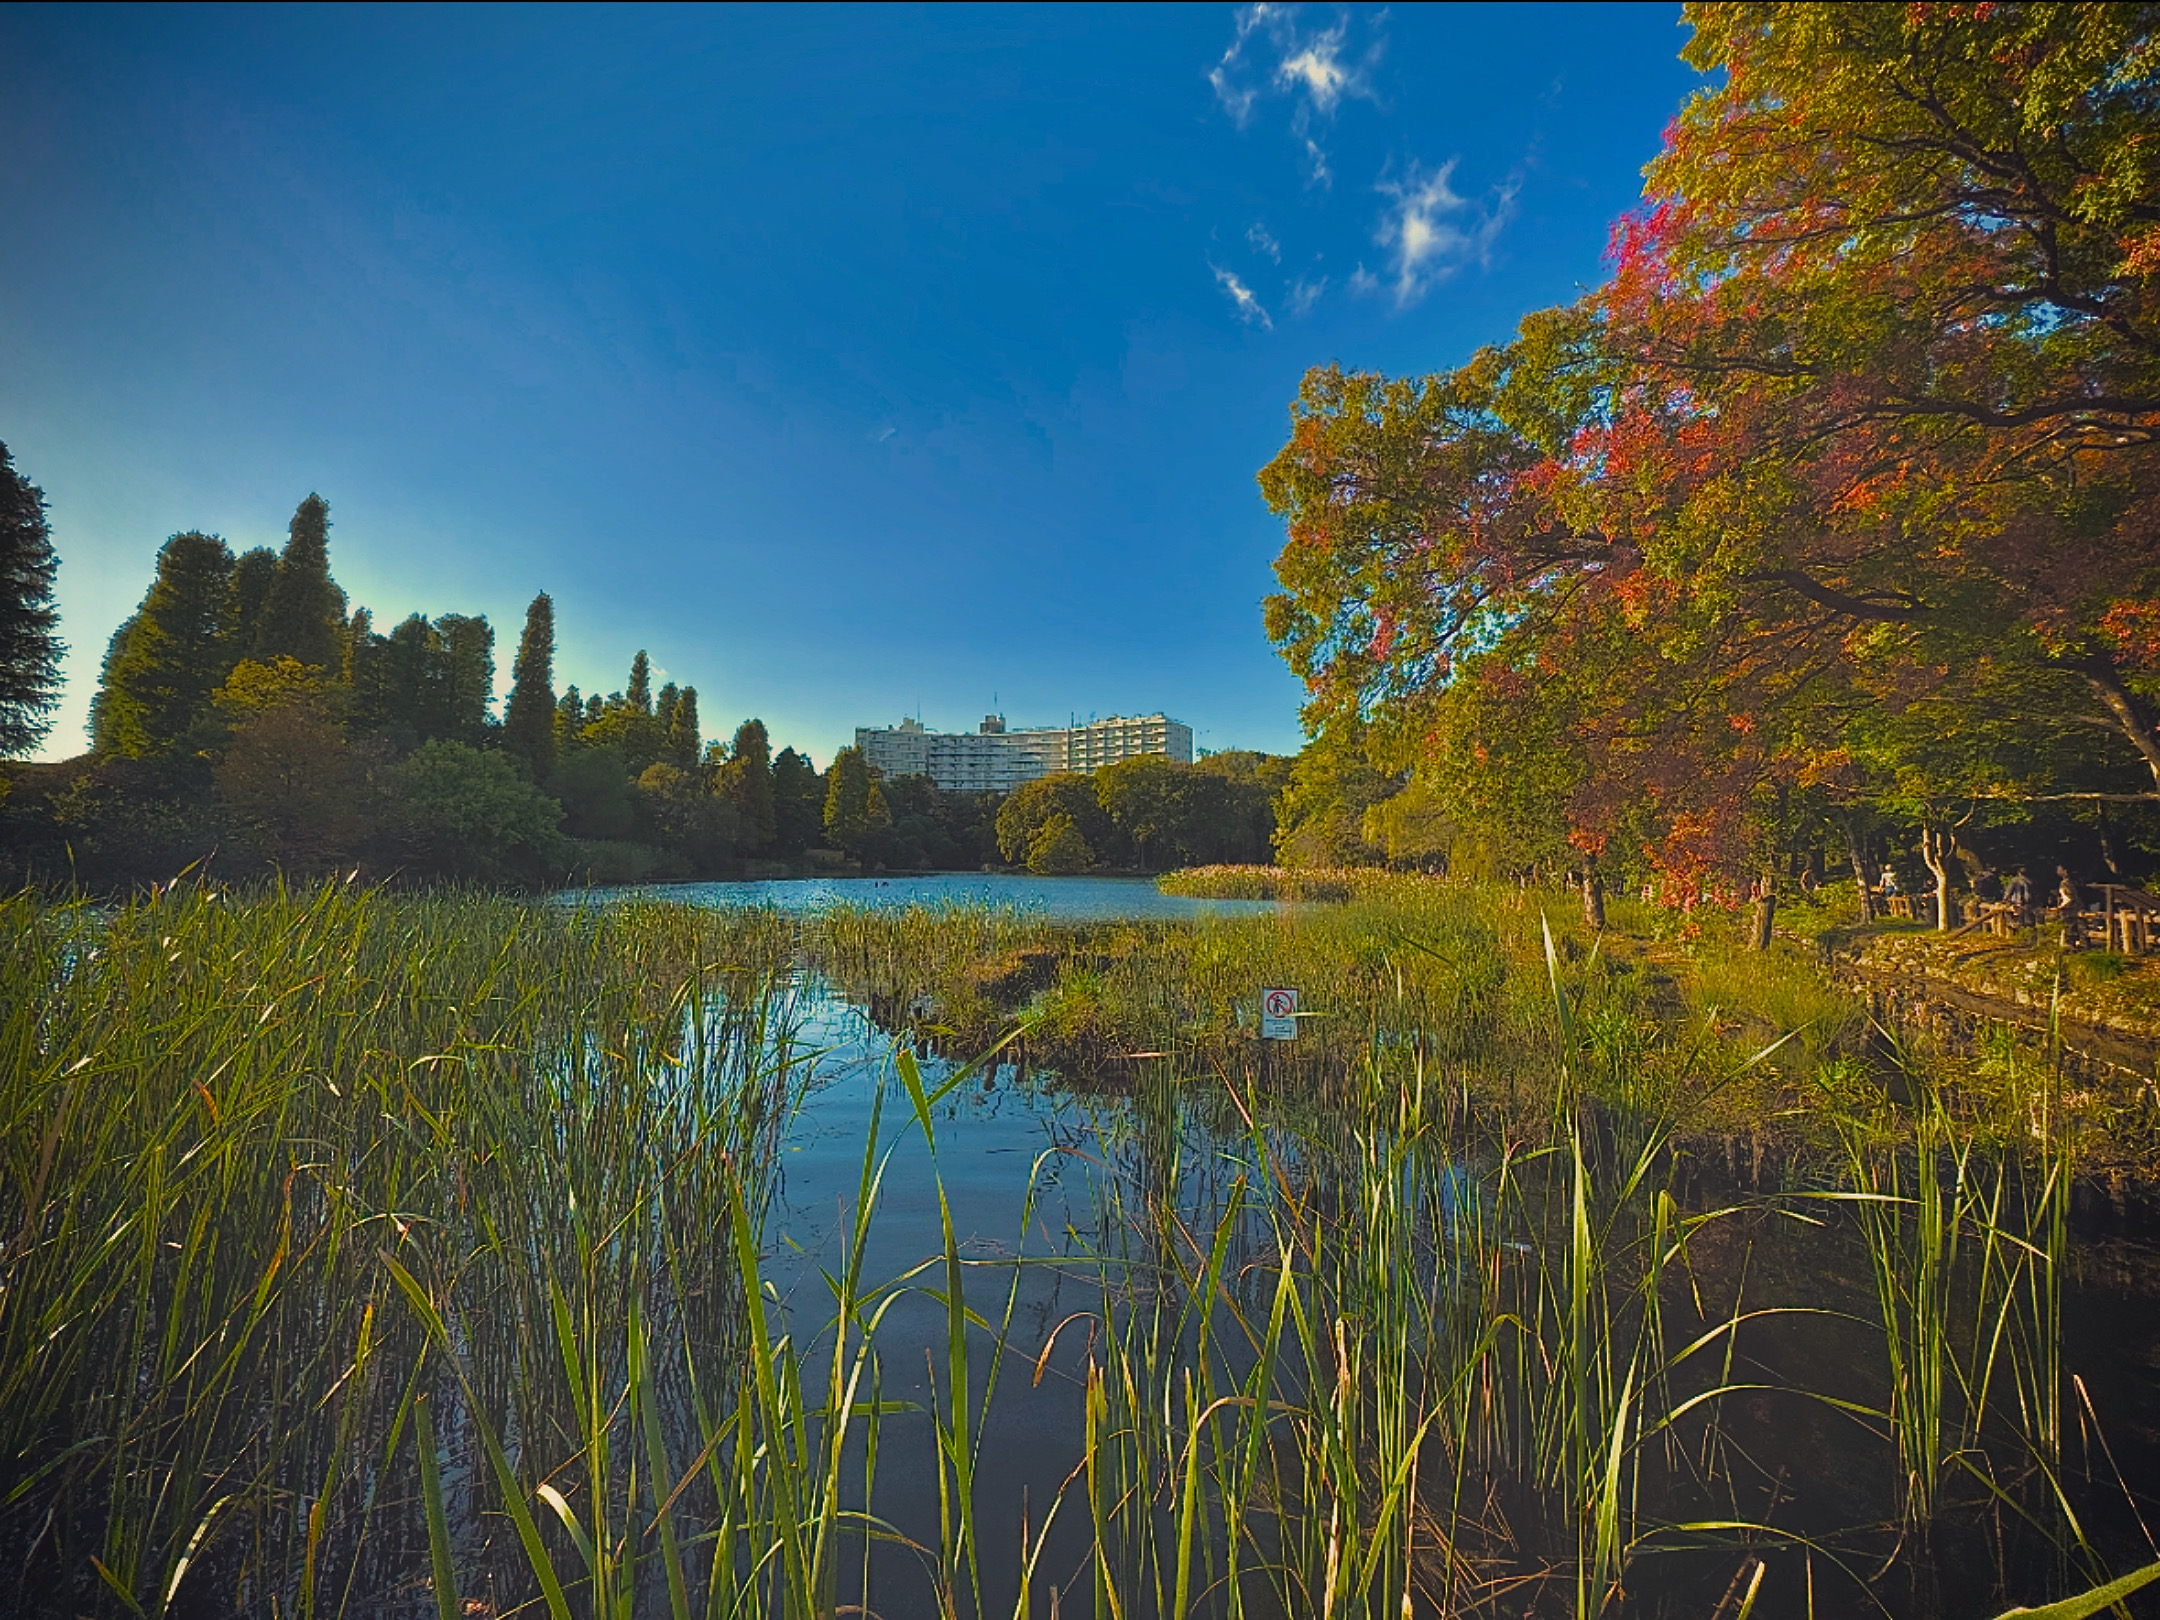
x=1859 y=871
x=1765 y=910
x=1935 y=848
x=2108 y=851
x=1593 y=900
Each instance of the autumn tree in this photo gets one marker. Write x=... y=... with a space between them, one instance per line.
x=1863 y=421
x=529 y=715
x=30 y=646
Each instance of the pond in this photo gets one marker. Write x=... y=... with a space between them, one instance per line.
x=482 y=1267
x=1136 y=1225
x=1059 y=899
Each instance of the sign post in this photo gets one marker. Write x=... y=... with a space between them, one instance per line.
x=1278 y=1014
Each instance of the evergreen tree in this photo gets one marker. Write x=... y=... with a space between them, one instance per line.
x=798 y=802
x=468 y=675
x=164 y=663
x=664 y=711
x=303 y=611
x=529 y=720
x=569 y=720
x=746 y=781
x=683 y=736
x=637 y=697
x=29 y=650
x=595 y=707
x=253 y=576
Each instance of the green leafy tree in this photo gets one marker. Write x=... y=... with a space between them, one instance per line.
x=1320 y=817
x=676 y=812
x=1031 y=804
x=165 y=661
x=1057 y=849
x=746 y=782
x=637 y=696
x=30 y=647
x=855 y=812
x=798 y=802
x=460 y=811
x=529 y=720
x=287 y=775
x=594 y=791
x=304 y=611
x=1251 y=781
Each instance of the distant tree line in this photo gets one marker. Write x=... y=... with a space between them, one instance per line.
x=249 y=716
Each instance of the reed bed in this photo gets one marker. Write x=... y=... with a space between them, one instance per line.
x=243 y=1139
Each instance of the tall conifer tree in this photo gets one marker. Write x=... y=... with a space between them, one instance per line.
x=684 y=736
x=638 y=695
x=164 y=663
x=253 y=576
x=468 y=674
x=747 y=780
x=29 y=649
x=529 y=716
x=798 y=801
x=304 y=610
x=569 y=719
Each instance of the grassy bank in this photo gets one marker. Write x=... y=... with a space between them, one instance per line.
x=1668 y=1011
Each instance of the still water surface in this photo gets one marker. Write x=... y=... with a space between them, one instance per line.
x=1070 y=899
x=1046 y=1177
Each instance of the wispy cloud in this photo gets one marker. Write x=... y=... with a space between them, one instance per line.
x=1316 y=67
x=1248 y=307
x=1270 y=55
x=1303 y=294
x=1262 y=242
x=1430 y=232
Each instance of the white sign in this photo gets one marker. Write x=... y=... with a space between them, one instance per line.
x=1278 y=1015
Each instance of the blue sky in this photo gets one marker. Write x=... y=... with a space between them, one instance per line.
x=850 y=360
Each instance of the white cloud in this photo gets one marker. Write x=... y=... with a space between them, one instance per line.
x=1270 y=55
x=1430 y=231
x=1315 y=65
x=1316 y=170
x=1304 y=294
x=1238 y=99
x=1241 y=296
x=1262 y=242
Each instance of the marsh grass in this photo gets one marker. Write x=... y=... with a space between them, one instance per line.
x=238 y=1132
x=368 y=1254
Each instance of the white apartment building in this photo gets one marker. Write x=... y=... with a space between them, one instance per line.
x=992 y=759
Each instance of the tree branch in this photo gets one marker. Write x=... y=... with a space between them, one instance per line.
x=1895 y=607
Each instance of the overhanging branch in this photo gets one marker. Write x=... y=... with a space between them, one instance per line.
x=1895 y=607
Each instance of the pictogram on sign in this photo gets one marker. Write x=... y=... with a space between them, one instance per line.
x=1278 y=1015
